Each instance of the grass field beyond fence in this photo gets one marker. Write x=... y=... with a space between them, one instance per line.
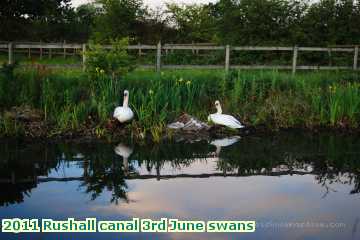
x=191 y=56
x=68 y=99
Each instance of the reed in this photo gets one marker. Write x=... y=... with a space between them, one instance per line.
x=70 y=99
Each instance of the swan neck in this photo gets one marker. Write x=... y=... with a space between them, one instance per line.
x=219 y=110
x=126 y=101
x=126 y=162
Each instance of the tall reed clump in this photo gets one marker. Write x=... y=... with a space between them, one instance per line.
x=160 y=98
x=10 y=128
x=64 y=100
x=280 y=100
x=344 y=104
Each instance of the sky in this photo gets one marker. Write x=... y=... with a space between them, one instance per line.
x=152 y=3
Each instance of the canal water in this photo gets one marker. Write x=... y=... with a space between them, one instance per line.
x=294 y=185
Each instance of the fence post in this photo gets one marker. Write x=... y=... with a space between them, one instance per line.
x=294 y=63
x=41 y=51
x=11 y=53
x=139 y=50
x=356 y=56
x=64 y=48
x=84 y=56
x=227 y=58
x=330 y=57
x=158 y=57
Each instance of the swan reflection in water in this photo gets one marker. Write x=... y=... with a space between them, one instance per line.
x=224 y=142
x=124 y=152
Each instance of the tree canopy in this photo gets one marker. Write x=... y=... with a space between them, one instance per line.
x=237 y=22
x=32 y=19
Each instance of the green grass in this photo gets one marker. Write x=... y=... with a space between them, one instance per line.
x=35 y=59
x=186 y=57
x=276 y=99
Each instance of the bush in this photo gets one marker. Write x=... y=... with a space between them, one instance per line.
x=114 y=62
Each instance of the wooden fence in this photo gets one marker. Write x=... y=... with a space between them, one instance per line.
x=159 y=48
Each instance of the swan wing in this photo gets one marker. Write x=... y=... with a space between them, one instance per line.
x=117 y=111
x=123 y=114
x=226 y=120
x=232 y=122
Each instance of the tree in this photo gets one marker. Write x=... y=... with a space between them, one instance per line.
x=155 y=27
x=330 y=22
x=119 y=19
x=82 y=23
x=33 y=19
x=259 y=22
x=193 y=22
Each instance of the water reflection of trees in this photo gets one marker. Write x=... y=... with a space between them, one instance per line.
x=332 y=159
x=104 y=171
x=19 y=168
x=177 y=155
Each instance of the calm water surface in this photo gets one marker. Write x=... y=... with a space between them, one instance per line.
x=310 y=181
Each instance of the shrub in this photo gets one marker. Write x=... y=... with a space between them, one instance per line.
x=114 y=62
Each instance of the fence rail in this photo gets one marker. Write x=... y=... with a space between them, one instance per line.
x=81 y=48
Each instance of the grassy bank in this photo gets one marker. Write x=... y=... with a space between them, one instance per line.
x=71 y=101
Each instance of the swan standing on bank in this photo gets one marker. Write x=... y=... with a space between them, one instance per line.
x=124 y=113
x=223 y=119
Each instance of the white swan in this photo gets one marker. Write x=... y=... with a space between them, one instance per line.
x=124 y=113
x=223 y=119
